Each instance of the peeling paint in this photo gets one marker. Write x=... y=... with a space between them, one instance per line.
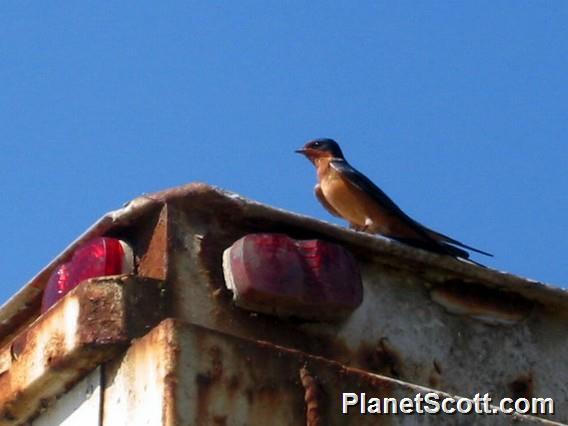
x=68 y=341
x=312 y=398
x=426 y=319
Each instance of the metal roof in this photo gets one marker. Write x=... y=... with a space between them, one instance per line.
x=18 y=309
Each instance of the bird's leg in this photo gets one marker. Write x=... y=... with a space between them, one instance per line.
x=365 y=228
x=367 y=225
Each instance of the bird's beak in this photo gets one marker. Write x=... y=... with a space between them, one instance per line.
x=300 y=151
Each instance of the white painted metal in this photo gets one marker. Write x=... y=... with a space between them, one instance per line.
x=81 y=406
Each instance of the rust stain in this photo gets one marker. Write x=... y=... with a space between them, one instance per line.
x=379 y=382
x=54 y=352
x=6 y=414
x=312 y=398
x=382 y=358
x=154 y=247
x=522 y=387
x=84 y=329
x=18 y=345
x=216 y=355
x=219 y=420
x=478 y=300
x=20 y=320
x=118 y=308
x=435 y=375
x=249 y=393
x=102 y=313
x=269 y=377
x=203 y=382
x=147 y=301
x=206 y=380
x=233 y=384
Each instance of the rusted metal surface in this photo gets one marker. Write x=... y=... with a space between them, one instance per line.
x=188 y=375
x=88 y=326
x=22 y=308
x=426 y=319
x=20 y=312
x=232 y=208
x=80 y=406
x=313 y=396
x=152 y=245
x=476 y=301
x=399 y=330
x=140 y=385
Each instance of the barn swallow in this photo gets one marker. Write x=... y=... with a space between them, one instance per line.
x=349 y=194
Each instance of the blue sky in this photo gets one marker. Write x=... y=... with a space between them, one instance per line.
x=458 y=110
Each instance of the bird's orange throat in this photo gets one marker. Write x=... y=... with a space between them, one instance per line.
x=315 y=155
x=322 y=165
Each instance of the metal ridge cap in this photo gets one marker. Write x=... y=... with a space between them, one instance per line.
x=404 y=256
x=395 y=254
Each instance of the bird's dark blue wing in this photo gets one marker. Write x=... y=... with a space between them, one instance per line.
x=363 y=183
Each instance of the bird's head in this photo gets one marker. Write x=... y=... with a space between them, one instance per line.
x=321 y=148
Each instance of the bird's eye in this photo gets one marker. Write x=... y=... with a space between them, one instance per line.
x=316 y=144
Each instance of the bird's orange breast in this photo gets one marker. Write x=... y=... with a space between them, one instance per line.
x=349 y=203
x=359 y=209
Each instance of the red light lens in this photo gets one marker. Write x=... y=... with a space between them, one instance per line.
x=56 y=287
x=99 y=257
x=275 y=274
